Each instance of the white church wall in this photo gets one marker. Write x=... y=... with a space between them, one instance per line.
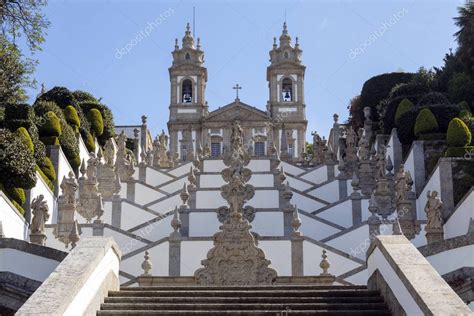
x=312 y=258
x=211 y=181
x=279 y=253
x=203 y=224
x=297 y=184
x=305 y=203
x=125 y=242
x=453 y=259
x=365 y=209
x=159 y=256
x=63 y=166
x=355 y=242
x=209 y=199
x=19 y=262
x=328 y=192
x=264 y=199
x=317 y=176
x=166 y=205
x=13 y=223
x=359 y=278
x=155 y=230
x=433 y=184
x=213 y=165
x=409 y=165
x=316 y=229
x=261 y=180
x=192 y=253
x=458 y=222
x=290 y=169
x=340 y=214
x=174 y=186
x=181 y=170
x=132 y=216
x=83 y=152
x=420 y=239
x=268 y=223
x=144 y=194
x=155 y=178
x=42 y=188
x=259 y=165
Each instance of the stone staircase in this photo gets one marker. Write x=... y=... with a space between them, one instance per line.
x=249 y=300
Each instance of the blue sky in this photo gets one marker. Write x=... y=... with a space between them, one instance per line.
x=344 y=43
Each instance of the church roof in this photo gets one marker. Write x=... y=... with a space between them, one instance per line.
x=237 y=110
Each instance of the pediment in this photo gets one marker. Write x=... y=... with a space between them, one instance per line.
x=237 y=111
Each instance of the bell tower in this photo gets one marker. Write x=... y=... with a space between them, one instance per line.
x=188 y=105
x=285 y=76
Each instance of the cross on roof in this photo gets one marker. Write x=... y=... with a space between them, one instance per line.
x=237 y=88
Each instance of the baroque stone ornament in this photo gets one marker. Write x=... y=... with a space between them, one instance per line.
x=434 y=224
x=40 y=213
x=90 y=200
x=235 y=258
x=106 y=175
x=124 y=161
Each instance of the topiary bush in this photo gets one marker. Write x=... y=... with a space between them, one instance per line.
x=72 y=118
x=425 y=123
x=18 y=115
x=51 y=126
x=88 y=141
x=404 y=106
x=48 y=169
x=83 y=96
x=109 y=125
x=458 y=134
x=468 y=119
x=43 y=176
x=97 y=123
x=464 y=106
x=23 y=134
x=16 y=195
x=433 y=98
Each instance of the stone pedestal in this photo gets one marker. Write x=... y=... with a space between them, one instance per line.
x=39 y=239
x=356 y=199
x=297 y=255
x=106 y=179
x=434 y=235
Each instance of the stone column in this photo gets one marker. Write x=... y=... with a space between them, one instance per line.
x=434 y=235
x=342 y=188
x=419 y=162
x=116 y=210
x=142 y=172
x=297 y=255
x=97 y=228
x=130 y=190
x=356 y=199
x=174 y=266
x=397 y=150
x=446 y=182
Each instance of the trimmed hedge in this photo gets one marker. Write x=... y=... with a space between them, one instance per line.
x=83 y=96
x=459 y=151
x=425 y=123
x=408 y=89
x=16 y=195
x=48 y=181
x=18 y=115
x=89 y=141
x=107 y=116
x=51 y=126
x=72 y=118
x=404 y=106
x=23 y=134
x=458 y=134
x=97 y=123
x=48 y=169
x=464 y=106
x=433 y=98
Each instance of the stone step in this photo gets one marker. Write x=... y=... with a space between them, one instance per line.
x=255 y=300
x=253 y=287
x=244 y=293
x=246 y=312
x=242 y=306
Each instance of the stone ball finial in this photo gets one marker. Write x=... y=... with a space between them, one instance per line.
x=146 y=265
x=144 y=118
x=325 y=264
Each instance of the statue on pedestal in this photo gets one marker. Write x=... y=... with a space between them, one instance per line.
x=40 y=213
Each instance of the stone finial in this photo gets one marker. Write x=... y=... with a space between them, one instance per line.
x=389 y=164
x=176 y=223
x=144 y=118
x=324 y=264
x=176 y=46
x=74 y=236
x=296 y=222
x=117 y=185
x=184 y=194
x=287 y=194
x=83 y=168
x=146 y=265
x=281 y=175
x=192 y=178
x=136 y=132
x=355 y=182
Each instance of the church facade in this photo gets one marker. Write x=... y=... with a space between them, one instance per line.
x=281 y=126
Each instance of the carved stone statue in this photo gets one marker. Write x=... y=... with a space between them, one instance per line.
x=403 y=183
x=433 y=211
x=69 y=187
x=92 y=164
x=109 y=152
x=40 y=213
x=381 y=164
x=164 y=159
x=364 y=147
x=124 y=162
x=319 y=148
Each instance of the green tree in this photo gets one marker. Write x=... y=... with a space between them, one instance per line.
x=465 y=35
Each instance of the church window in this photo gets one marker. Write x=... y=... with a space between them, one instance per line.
x=187 y=57
x=215 y=149
x=287 y=55
x=259 y=148
x=287 y=90
x=183 y=152
x=291 y=150
x=187 y=91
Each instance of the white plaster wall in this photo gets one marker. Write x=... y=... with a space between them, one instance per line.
x=123 y=190
x=259 y=165
x=13 y=223
x=155 y=230
x=317 y=176
x=42 y=188
x=125 y=242
x=22 y=263
x=174 y=186
x=192 y=253
x=181 y=170
x=365 y=209
x=209 y=199
x=328 y=192
x=312 y=258
x=433 y=184
x=132 y=216
x=268 y=223
x=453 y=259
x=298 y=184
x=316 y=229
x=211 y=181
x=360 y=278
x=155 y=178
x=52 y=242
x=159 y=257
x=458 y=223
x=167 y=205
x=264 y=199
x=83 y=152
x=63 y=167
x=213 y=165
x=420 y=239
x=290 y=169
x=409 y=165
x=144 y=194
x=355 y=242
x=340 y=214
x=261 y=180
x=279 y=253
x=107 y=217
x=305 y=203
x=203 y=224
x=377 y=261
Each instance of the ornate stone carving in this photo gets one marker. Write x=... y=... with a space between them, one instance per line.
x=403 y=183
x=40 y=213
x=163 y=158
x=319 y=149
x=106 y=174
x=235 y=258
x=124 y=162
x=146 y=264
x=324 y=264
x=67 y=229
x=434 y=224
x=296 y=222
x=176 y=223
x=90 y=200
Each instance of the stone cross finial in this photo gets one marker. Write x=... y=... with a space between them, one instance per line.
x=296 y=222
x=237 y=88
x=146 y=265
x=324 y=264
